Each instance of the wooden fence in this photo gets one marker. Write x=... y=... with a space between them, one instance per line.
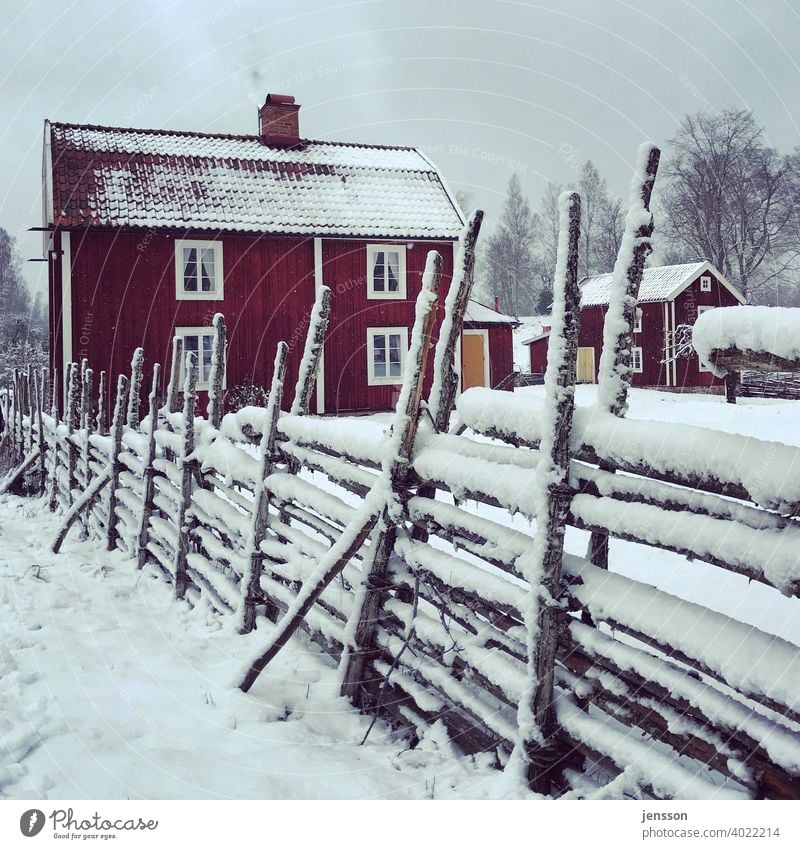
x=426 y=557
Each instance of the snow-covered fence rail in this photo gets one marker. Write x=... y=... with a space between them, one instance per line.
x=438 y=614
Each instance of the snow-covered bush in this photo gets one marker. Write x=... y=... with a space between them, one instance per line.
x=245 y=394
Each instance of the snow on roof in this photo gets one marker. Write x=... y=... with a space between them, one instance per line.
x=532 y=327
x=661 y=283
x=480 y=314
x=118 y=177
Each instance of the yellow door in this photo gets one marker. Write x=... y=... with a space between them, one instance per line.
x=472 y=360
x=585 y=365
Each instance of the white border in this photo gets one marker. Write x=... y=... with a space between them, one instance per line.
x=318 y=283
x=386 y=381
x=202 y=385
x=400 y=295
x=66 y=301
x=219 y=293
x=486 y=364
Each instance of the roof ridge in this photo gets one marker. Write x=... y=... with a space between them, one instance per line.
x=152 y=131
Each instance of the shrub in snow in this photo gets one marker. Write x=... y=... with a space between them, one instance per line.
x=245 y=394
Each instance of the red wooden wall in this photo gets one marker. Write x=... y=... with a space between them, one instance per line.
x=651 y=338
x=123 y=285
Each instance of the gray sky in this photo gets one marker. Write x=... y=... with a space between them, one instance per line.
x=486 y=88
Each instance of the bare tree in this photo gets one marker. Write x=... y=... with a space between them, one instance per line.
x=610 y=229
x=547 y=245
x=510 y=253
x=726 y=197
x=594 y=198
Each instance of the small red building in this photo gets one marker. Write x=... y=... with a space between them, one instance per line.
x=152 y=232
x=669 y=296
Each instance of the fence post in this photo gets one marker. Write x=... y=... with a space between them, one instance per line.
x=102 y=405
x=542 y=566
x=182 y=545
x=117 y=427
x=70 y=414
x=251 y=590
x=615 y=361
x=53 y=501
x=174 y=387
x=135 y=390
x=30 y=402
x=149 y=471
x=217 y=372
x=86 y=429
x=365 y=618
x=315 y=339
x=39 y=384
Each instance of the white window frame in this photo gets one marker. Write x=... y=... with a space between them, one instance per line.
x=219 y=272
x=637 y=325
x=635 y=370
x=372 y=332
x=400 y=295
x=700 y=311
x=705 y=283
x=200 y=332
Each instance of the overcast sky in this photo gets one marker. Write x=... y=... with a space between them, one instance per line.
x=486 y=88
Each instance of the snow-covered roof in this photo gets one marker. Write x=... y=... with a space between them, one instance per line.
x=532 y=327
x=661 y=283
x=119 y=177
x=480 y=314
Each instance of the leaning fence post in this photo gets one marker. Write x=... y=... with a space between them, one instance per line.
x=39 y=384
x=70 y=414
x=251 y=580
x=53 y=500
x=365 y=617
x=117 y=427
x=542 y=566
x=86 y=430
x=148 y=486
x=307 y=375
x=182 y=545
x=614 y=374
x=135 y=391
x=102 y=405
x=217 y=372
x=174 y=387
x=30 y=403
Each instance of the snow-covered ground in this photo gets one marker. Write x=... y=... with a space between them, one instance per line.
x=111 y=689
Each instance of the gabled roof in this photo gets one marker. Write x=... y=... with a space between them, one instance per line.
x=478 y=313
x=662 y=283
x=119 y=177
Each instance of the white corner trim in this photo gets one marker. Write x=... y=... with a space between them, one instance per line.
x=66 y=301
x=318 y=283
x=668 y=348
x=675 y=359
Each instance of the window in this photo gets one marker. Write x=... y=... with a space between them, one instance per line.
x=198 y=270
x=200 y=342
x=637 y=325
x=700 y=311
x=386 y=271
x=705 y=283
x=386 y=354
x=636 y=360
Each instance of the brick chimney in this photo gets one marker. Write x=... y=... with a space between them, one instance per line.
x=278 y=122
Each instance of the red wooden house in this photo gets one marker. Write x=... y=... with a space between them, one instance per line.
x=669 y=296
x=151 y=232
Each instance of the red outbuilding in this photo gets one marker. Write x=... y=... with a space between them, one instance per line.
x=669 y=296
x=152 y=232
